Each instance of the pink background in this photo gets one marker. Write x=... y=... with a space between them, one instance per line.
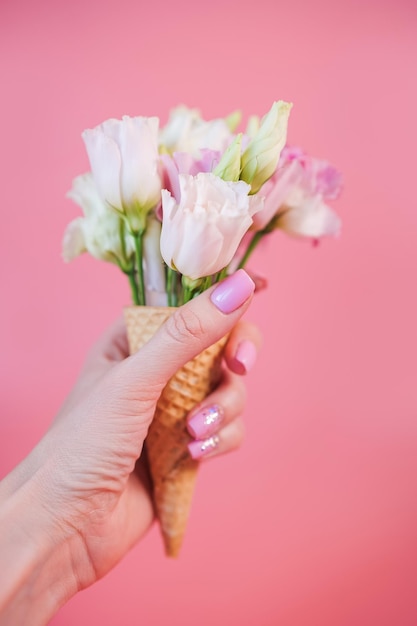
x=314 y=521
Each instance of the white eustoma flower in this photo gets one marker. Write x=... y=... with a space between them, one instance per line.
x=124 y=161
x=99 y=231
x=187 y=131
x=73 y=242
x=202 y=232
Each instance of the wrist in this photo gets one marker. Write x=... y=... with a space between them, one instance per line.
x=35 y=579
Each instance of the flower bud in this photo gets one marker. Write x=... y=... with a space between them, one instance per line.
x=260 y=159
x=252 y=126
x=233 y=120
x=229 y=165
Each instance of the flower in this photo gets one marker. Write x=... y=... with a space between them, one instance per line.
x=99 y=232
x=124 y=161
x=295 y=196
x=187 y=131
x=308 y=217
x=201 y=232
x=276 y=190
x=185 y=163
x=196 y=196
x=260 y=159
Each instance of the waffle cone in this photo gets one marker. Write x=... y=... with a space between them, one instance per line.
x=172 y=469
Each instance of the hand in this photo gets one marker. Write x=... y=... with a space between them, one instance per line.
x=92 y=492
x=228 y=400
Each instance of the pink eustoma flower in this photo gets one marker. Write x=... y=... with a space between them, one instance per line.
x=295 y=196
x=202 y=231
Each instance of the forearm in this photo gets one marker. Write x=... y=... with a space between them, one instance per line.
x=34 y=576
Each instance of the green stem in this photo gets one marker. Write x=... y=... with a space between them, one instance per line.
x=138 y=238
x=208 y=281
x=133 y=285
x=126 y=266
x=129 y=270
x=188 y=294
x=222 y=274
x=171 y=287
x=191 y=287
x=251 y=247
x=122 y=231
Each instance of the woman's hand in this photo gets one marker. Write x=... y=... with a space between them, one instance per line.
x=85 y=485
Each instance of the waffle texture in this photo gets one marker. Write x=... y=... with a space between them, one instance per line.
x=172 y=469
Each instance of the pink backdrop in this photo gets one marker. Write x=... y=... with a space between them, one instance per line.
x=314 y=521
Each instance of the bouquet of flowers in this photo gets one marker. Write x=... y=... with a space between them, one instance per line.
x=177 y=209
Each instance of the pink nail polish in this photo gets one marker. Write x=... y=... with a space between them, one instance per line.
x=199 y=449
x=205 y=421
x=232 y=292
x=245 y=356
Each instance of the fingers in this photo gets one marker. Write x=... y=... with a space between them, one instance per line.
x=190 y=329
x=242 y=348
x=219 y=408
x=215 y=424
x=225 y=440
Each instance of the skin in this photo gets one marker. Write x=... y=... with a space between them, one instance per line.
x=75 y=506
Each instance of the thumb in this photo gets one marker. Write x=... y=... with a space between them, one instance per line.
x=190 y=329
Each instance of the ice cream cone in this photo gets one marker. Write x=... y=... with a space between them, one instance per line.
x=172 y=469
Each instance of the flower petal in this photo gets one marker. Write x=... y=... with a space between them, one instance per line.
x=312 y=218
x=73 y=243
x=139 y=177
x=105 y=161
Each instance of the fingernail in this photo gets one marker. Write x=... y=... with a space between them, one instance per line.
x=197 y=449
x=245 y=356
x=205 y=421
x=232 y=292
